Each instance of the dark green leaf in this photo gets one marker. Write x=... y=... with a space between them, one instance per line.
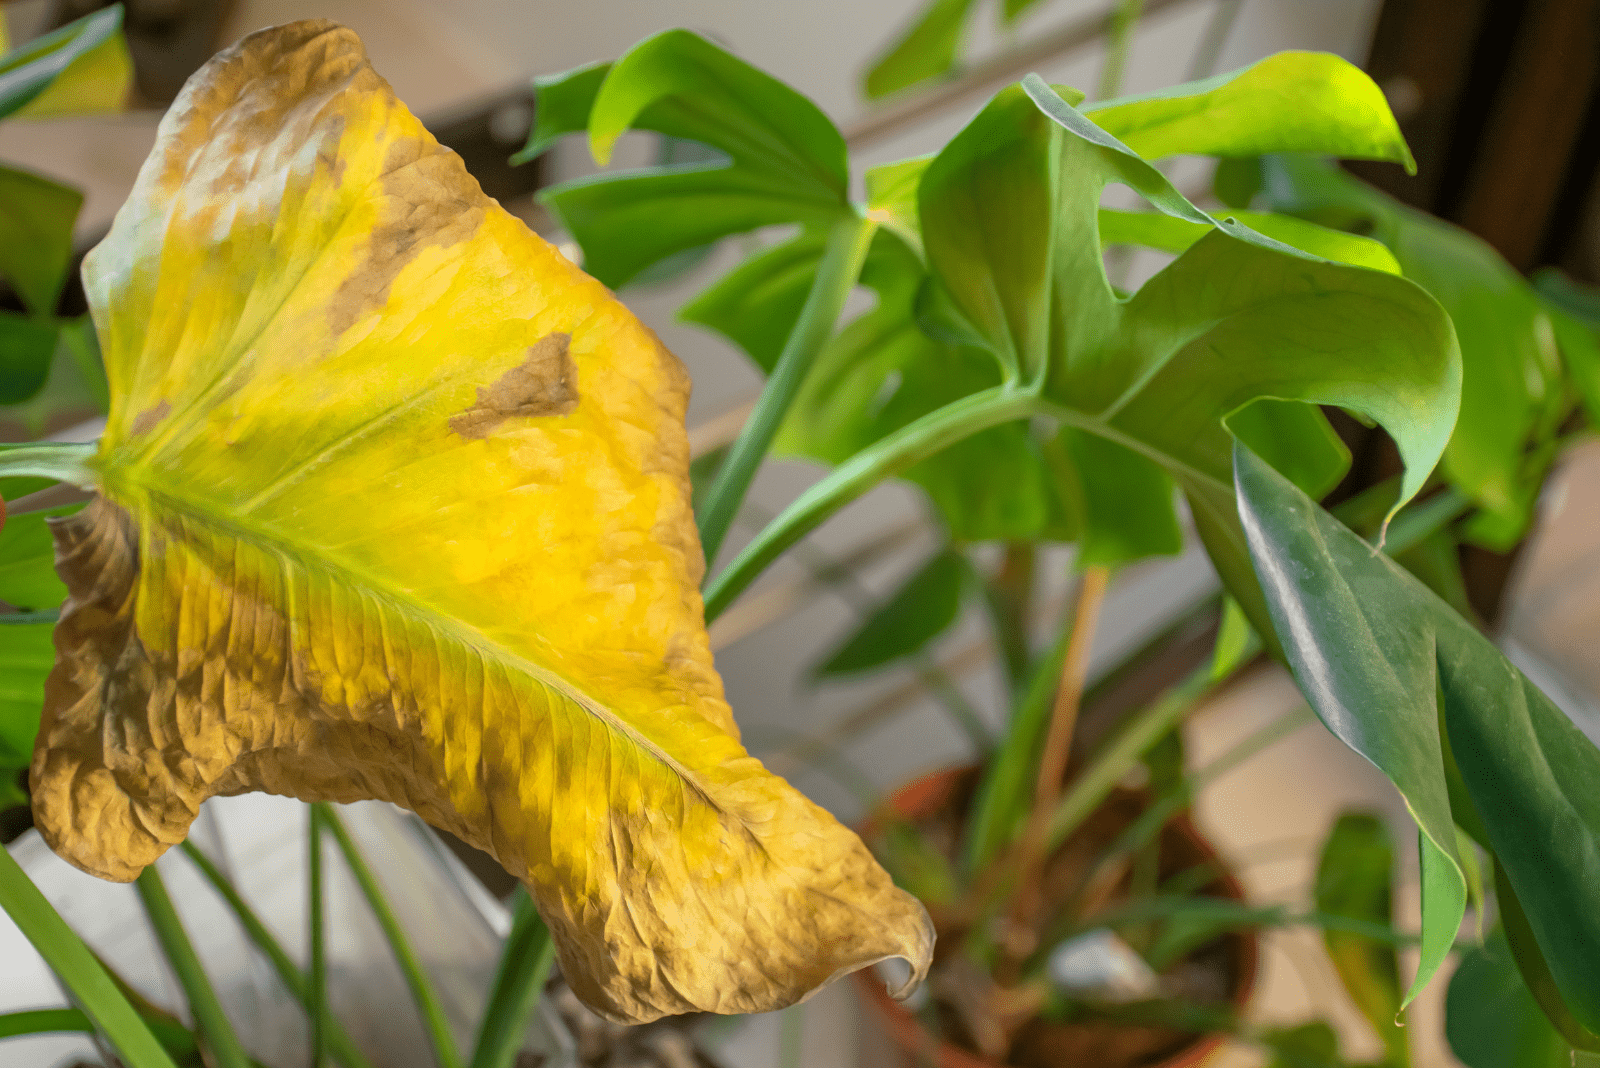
x=918 y=612
x=1124 y=501
x=36 y=217
x=1354 y=878
x=1237 y=180
x=1491 y=1019
x=73 y=387
x=1511 y=376
x=1533 y=966
x=561 y=105
x=1384 y=663
x=26 y=656
x=785 y=161
x=28 y=578
x=28 y=71
x=26 y=347
x=1288 y=102
x=925 y=50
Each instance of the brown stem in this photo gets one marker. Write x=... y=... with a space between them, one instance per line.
x=1053 y=762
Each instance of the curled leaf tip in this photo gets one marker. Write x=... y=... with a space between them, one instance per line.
x=394 y=503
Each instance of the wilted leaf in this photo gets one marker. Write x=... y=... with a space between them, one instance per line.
x=395 y=504
x=36 y=217
x=81 y=67
x=1354 y=878
x=1388 y=666
x=918 y=612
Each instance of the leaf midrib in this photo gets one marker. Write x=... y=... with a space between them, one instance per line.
x=351 y=576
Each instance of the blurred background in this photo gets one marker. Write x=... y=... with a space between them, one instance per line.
x=1500 y=100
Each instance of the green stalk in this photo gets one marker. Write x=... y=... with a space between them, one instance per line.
x=77 y=967
x=433 y=1017
x=518 y=983
x=896 y=452
x=44 y=1022
x=63 y=461
x=316 y=938
x=339 y=1042
x=1119 y=41
x=1115 y=760
x=216 y=1033
x=841 y=262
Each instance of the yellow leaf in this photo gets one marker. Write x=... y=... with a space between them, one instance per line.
x=394 y=503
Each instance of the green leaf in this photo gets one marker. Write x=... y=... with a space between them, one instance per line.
x=44 y=1021
x=561 y=106
x=1354 y=877
x=28 y=579
x=1168 y=234
x=882 y=372
x=26 y=348
x=1384 y=663
x=73 y=387
x=1233 y=641
x=1237 y=180
x=36 y=217
x=1123 y=500
x=917 y=613
x=925 y=50
x=26 y=657
x=785 y=161
x=1492 y=1020
x=1308 y=1045
x=892 y=197
x=1534 y=967
x=1575 y=318
x=1511 y=376
x=757 y=303
x=1289 y=102
x=85 y=49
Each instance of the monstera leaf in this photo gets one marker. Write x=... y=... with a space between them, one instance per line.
x=1511 y=387
x=1402 y=679
x=394 y=503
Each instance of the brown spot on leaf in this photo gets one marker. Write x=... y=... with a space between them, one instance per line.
x=147 y=419
x=546 y=383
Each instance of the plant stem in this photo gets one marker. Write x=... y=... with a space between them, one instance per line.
x=938 y=680
x=215 y=1032
x=518 y=984
x=1119 y=40
x=899 y=450
x=841 y=262
x=339 y=1042
x=44 y=1021
x=63 y=461
x=1057 y=747
x=1010 y=597
x=317 y=984
x=1218 y=28
x=422 y=991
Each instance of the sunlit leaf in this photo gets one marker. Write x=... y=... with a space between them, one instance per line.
x=785 y=161
x=1354 y=880
x=81 y=67
x=1511 y=374
x=562 y=104
x=36 y=217
x=1154 y=230
x=394 y=503
x=1387 y=666
x=918 y=612
x=925 y=50
x=1288 y=102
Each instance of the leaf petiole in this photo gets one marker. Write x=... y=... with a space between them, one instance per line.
x=60 y=460
x=518 y=983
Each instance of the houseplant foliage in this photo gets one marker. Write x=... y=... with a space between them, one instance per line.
x=306 y=301
x=994 y=317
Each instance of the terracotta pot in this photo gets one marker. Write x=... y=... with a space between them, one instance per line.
x=921 y=799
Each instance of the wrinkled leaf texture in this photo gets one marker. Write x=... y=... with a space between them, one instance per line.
x=394 y=503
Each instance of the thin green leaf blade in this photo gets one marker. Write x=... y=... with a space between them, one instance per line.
x=925 y=50
x=913 y=616
x=27 y=72
x=1375 y=651
x=1289 y=102
x=26 y=657
x=36 y=218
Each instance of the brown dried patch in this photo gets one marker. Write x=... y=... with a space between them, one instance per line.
x=546 y=383
x=147 y=419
